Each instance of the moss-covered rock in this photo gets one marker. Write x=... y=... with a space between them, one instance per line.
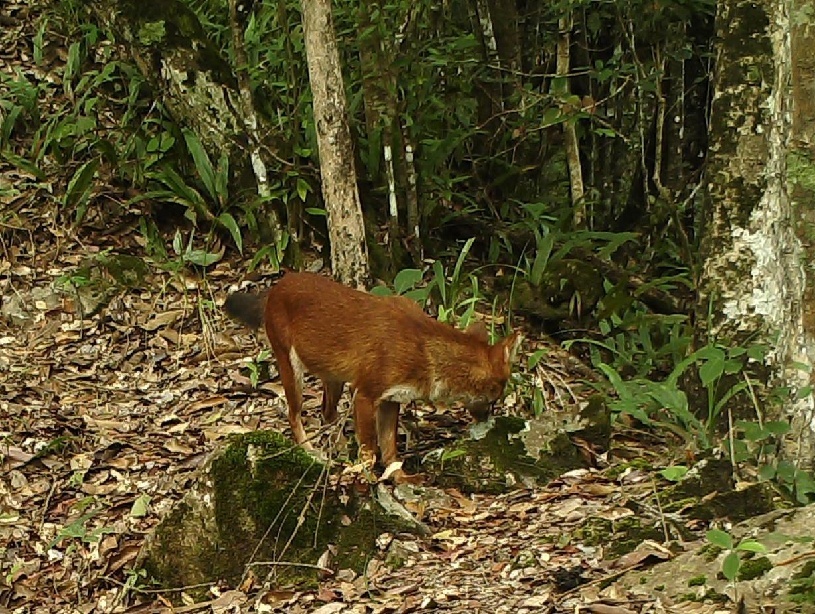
x=707 y=492
x=618 y=537
x=262 y=502
x=509 y=451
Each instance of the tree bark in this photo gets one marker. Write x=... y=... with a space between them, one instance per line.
x=802 y=195
x=569 y=133
x=753 y=286
x=346 y=228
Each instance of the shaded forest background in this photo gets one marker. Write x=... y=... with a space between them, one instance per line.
x=470 y=97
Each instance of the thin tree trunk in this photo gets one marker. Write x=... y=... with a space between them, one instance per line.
x=346 y=227
x=381 y=109
x=569 y=133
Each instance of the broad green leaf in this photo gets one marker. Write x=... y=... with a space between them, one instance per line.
x=381 y=291
x=406 y=279
x=672 y=399
x=419 y=295
x=535 y=358
x=178 y=243
x=616 y=381
x=140 y=506
x=552 y=116
x=183 y=193
x=766 y=472
x=202 y=257
x=758 y=352
x=674 y=473
x=712 y=368
x=730 y=566
x=719 y=538
x=785 y=471
x=538 y=402
x=751 y=545
x=542 y=252
x=23 y=164
x=464 y=251
x=222 y=179
x=752 y=430
x=302 y=188
x=72 y=65
x=452 y=454
x=777 y=427
x=78 y=190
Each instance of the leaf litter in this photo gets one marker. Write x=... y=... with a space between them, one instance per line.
x=105 y=421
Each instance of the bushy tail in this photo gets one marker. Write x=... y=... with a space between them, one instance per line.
x=246 y=308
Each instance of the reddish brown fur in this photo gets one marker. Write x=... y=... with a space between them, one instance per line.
x=387 y=348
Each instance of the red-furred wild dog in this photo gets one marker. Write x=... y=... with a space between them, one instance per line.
x=387 y=348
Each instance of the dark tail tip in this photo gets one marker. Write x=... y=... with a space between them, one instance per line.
x=246 y=308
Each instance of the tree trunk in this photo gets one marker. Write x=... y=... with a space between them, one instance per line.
x=753 y=287
x=346 y=228
x=569 y=133
x=802 y=194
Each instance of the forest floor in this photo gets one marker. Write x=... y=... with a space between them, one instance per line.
x=108 y=407
x=105 y=419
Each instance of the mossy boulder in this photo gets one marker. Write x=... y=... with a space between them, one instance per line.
x=261 y=503
x=507 y=451
x=707 y=492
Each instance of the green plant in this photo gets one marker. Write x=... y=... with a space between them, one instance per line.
x=215 y=181
x=760 y=444
x=674 y=473
x=135 y=582
x=81 y=529
x=733 y=559
x=456 y=302
x=451 y=454
x=408 y=283
x=451 y=290
x=651 y=402
x=273 y=252
x=192 y=255
x=536 y=394
x=255 y=366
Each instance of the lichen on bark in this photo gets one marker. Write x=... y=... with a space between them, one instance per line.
x=752 y=282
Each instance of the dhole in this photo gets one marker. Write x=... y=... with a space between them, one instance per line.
x=387 y=348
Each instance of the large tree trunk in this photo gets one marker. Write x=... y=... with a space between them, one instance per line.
x=346 y=228
x=802 y=195
x=753 y=285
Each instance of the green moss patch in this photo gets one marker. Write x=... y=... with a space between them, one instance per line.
x=262 y=503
